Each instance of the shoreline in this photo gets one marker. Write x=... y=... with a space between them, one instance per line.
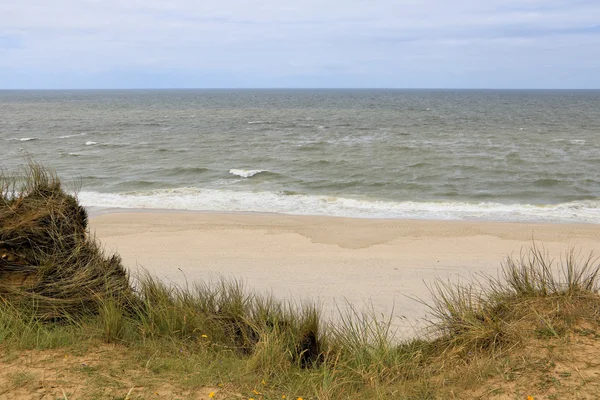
x=96 y=211
x=380 y=264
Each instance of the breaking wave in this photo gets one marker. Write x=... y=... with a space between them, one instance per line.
x=246 y=173
x=217 y=200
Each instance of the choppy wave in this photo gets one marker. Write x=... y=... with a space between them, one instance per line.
x=299 y=204
x=184 y=170
x=547 y=182
x=577 y=142
x=165 y=150
x=379 y=145
x=246 y=173
x=312 y=145
x=261 y=122
x=72 y=136
x=118 y=145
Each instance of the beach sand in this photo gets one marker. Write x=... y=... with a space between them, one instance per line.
x=379 y=264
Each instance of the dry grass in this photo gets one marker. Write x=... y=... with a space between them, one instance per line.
x=533 y=295
x=48 y=262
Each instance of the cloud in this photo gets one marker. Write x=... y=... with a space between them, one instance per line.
x=256 y=43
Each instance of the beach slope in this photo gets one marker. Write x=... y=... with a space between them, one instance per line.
x=383 y=264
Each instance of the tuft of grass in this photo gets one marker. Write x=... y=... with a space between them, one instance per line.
x=224 y=316
x=49 y=262
x=534 y=273
x=532 y=294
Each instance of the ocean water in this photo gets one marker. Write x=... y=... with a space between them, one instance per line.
x=424 y=154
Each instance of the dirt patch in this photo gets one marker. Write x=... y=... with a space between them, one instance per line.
x=104 y=372
x=566 y=368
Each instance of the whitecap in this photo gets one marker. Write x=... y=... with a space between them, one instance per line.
x=73 y=135
x=261 y=122
x=577 y=141
x=25 y=139
x=246 y=173
x=90 y=143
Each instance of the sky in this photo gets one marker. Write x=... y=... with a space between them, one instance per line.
x=76 y=44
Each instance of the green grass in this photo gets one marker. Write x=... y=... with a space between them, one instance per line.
x=225 y=337
x=209 y=335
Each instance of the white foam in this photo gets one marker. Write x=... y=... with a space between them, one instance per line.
x=71 y=136
x=25 y=139
x=90 y=143
x=269 y=202
x=246 y=173
x=577 y=142
x=261 y=122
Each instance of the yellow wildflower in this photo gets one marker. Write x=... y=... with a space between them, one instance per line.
x=255 y=391
x=205 y=336
x=529 y=397
x=283 y=397
x=211 y=394
x=263 y=382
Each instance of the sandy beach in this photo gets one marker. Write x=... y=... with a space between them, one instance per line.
x=383 y=263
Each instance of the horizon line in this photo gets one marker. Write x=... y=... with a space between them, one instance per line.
x=290 y=88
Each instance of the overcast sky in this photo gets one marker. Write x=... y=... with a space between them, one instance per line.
x=300 y=43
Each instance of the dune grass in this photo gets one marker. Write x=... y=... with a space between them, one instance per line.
x=508 y=335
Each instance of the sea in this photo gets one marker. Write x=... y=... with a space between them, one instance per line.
x=492 y=155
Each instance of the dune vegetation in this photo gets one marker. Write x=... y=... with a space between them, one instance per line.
x=75 y=324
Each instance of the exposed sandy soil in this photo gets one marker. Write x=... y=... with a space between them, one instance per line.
x=545 y=369
x=104 y=372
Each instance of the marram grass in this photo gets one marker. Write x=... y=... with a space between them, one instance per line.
x=59 y=291
x=48 y=260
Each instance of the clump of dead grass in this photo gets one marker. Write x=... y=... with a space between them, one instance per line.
x=48 y=260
